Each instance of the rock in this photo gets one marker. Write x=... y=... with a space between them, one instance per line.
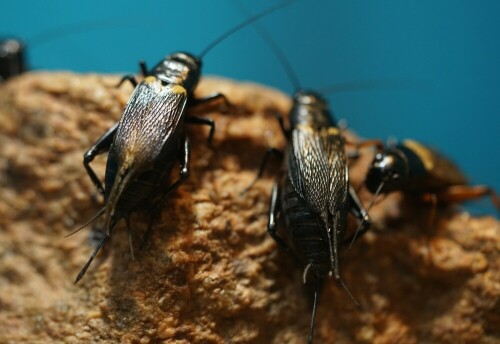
x=210 y=273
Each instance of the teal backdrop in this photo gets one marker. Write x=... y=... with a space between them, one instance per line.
x=445 y=54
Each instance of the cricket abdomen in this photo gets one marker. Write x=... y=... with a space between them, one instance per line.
x=141 y=191
x=304 y=228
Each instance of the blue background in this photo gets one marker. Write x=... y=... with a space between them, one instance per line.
x=447 y=52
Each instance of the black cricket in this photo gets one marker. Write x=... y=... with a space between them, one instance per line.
x=150 y=138
x=14 y=51
x=422 y=173
x=312 y=196
x=12 y=58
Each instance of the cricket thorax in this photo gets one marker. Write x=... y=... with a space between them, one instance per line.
x=310 y=108
x=179 y=69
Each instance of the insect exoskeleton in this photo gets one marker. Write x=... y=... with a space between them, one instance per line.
x=422 y=173
x=312 y=196
x=150 y=138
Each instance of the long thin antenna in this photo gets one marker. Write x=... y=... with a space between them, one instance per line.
x=76 y=28
x=352 y=86
x=281 y=56
x=242 y=25
x=371 y=85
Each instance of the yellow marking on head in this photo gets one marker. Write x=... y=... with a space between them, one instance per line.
x=305 y=127
x=309 y=128
x=150 y=79
x=178 y=89
x=333 y=131
x=423 y=153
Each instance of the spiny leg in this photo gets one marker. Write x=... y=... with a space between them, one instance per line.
x=366 y=143
x=144 y=68
x=286 y=132
x=432 y=214
x=358 y=210
x=185 y=168
x=203 y=121
x=101 y=146
x=130 y=78
x=213 y=102
x=462 y=193
x=272 y=225
x=263 y=164
x=353 y=155
x=432 y=199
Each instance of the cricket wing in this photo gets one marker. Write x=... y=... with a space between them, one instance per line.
x=150 y=119
x=308 y=168
x=318 y=168
x=334 y=146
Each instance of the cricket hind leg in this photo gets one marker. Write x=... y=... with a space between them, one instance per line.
x=213 y=102
x=272 y=225
x=101 y=146
x=462 y=193
x=270 y=152
x=357 y=208
x=203 y=121
x=130 y=78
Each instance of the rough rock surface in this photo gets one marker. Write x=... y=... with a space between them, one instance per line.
x=210 y=273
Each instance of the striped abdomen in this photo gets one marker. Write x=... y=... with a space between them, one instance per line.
x=304 y=228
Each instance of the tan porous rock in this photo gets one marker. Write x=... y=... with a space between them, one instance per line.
x=210 y=273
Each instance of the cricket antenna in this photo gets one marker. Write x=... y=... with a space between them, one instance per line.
x=371 y=85
x=242 y=25
x=77 y=28
x=280 y=55
x=14 y=51
x=353 y=86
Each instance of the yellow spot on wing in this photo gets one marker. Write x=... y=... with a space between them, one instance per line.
x=310 y=129
x=150 y=79
x=305 y=127
x=333 y=131
x=178 y=89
